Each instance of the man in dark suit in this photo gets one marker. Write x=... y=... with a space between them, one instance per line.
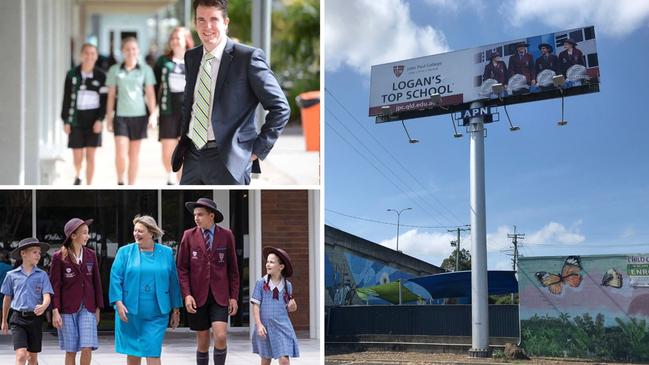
x=225 y=81
x=522 y=63
x=209 y=279
x=547 y=61
x=570 y=56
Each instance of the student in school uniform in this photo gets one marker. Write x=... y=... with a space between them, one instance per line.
x=78 y=297
x=170 y=89
x=27 y=292
x=84 y=108
x=130 y=92
x=209 y=279
x=272 y=299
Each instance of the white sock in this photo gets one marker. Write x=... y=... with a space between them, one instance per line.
x=171 y=178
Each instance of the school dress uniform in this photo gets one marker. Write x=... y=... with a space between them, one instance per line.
x=26 y=292
x=280 y=339
x=130 y=110
x=497 y=72
x=547 y=62
x=567 y=60
x=170 y=79
x=522 y=64
x=77 y=295
x=147 y=284
x=209 y=274
x=84 y=103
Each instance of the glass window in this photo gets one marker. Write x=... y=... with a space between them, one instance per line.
x=113 y=212
x=15 y=218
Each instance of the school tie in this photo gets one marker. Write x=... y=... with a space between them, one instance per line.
x=202 y=102
x=207 y=234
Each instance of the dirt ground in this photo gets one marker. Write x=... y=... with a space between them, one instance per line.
x=415 y=358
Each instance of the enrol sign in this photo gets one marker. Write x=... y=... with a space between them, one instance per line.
x=525 y=67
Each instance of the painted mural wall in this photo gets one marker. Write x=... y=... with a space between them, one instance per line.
x=345 y=272
x=585 y=306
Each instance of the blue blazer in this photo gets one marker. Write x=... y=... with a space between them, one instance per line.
x=125 y=278
x=244 y=81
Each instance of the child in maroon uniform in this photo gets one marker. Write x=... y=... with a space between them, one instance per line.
x=77 y=293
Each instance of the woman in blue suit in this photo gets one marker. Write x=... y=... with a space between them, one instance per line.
x=144 y=289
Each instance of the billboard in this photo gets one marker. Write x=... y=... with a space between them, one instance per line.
x=585 y=306
x=524 y=67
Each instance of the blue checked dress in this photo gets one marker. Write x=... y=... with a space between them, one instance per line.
x=280 y=340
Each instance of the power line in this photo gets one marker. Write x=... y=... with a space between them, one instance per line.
x=386 y=223
x=373 y=165
x=328 y=90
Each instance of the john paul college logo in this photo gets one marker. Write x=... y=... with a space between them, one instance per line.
x=398 y=70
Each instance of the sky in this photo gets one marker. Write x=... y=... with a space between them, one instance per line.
x=578 y=189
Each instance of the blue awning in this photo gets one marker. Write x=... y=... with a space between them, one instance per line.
x=458 y=284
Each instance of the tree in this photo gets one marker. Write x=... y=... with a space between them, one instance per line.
x=296 y=48
x=465 y=261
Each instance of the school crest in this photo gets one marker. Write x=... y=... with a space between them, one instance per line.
x=398 y=70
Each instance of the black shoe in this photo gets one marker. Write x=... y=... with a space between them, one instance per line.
x=120 y=183
x=77 y=181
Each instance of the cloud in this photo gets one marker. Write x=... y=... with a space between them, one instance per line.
x=551 y=233
x=554 y=232
x=616 y=18
x=435 y=247
x=362 y=33
x=477 y=6
x=629 y=232
x=430 y=247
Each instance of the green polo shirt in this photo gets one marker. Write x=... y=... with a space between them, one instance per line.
x=130 y=88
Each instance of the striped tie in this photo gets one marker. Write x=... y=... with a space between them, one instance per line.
x=202 y=102
x=207 y=235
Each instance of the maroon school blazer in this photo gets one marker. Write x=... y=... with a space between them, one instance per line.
x=200 y=270
x=75 y=284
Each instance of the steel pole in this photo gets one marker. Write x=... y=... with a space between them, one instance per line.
x=398 y=222
x=457 y=251
x=479 y=283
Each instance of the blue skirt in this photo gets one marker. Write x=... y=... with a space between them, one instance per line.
x=142 y=336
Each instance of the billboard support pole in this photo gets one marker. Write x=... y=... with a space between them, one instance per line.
x=479 y=283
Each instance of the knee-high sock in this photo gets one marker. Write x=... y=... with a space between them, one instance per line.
x=202 y=358
x=219 y=356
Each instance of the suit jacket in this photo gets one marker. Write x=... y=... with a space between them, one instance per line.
x=200 y=270
x=498 y=72
x=75 y=284
x=551 y=63
x=244 y=80
x=566 y=61
x=524 y=66
x=125 y=278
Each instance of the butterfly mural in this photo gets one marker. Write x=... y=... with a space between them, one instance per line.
x=570 y=275
x=612 y=278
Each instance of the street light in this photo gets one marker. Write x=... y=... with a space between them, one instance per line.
x=398 y=221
